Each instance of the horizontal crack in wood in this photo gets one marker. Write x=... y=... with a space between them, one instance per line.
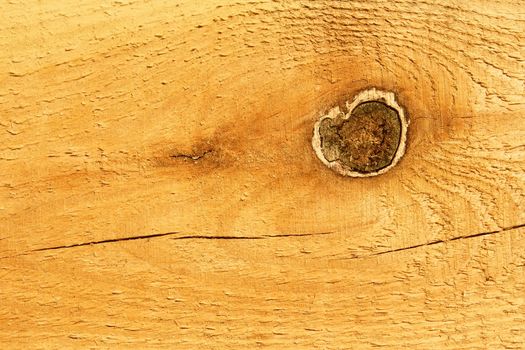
x=114 y=240
x=287 y=235
x=106 y=241
x=191 y=156
x=481 y=234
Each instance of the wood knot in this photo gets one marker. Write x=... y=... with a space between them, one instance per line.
x=366 y=139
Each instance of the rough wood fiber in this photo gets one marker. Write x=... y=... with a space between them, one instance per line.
x=189 y=122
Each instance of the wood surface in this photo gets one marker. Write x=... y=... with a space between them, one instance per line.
x=158 y=188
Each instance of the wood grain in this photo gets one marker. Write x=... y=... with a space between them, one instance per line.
x=158 y=188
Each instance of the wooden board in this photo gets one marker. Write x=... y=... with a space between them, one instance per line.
x=158 y=188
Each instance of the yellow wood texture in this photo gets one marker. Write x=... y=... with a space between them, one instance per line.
x=158 y=188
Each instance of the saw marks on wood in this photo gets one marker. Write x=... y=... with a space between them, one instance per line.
x=165 y=147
